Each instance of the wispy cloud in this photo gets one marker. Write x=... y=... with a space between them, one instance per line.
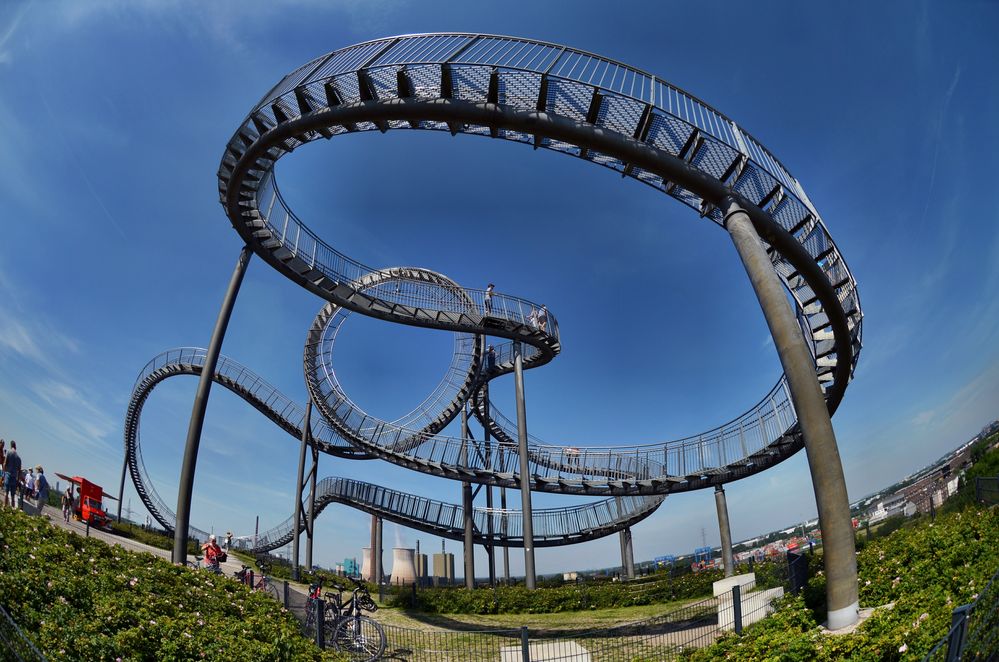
x=7 y=34
x=48 y=401
x=938 y=139
x=225 y=21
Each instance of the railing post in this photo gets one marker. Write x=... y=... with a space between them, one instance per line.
x=737 y=609
x=958 y=630
x=319 y=606
x=284 y=595
x=525 y=649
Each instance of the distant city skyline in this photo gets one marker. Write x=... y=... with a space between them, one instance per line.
x=115 y=115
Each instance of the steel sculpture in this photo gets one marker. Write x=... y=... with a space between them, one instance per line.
x=495 y=527
x=577 y=103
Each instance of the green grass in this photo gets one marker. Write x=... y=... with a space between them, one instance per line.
x=580 y=620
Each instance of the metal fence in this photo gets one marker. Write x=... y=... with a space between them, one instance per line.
x=14 y=645
x=987 y=490
x=974 y=630
x=662 y=637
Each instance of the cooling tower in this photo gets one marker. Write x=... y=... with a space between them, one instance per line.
x=366 y=566
x=403 y=565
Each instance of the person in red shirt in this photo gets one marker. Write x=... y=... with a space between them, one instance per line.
x=213 y=554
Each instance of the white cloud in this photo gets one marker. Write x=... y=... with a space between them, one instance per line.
x=924 y=417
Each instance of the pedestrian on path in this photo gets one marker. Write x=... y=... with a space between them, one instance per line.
x=67 y=503
x=42 y=487
x=12 y=475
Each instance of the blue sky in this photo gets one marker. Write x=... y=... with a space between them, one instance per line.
x=114 y=116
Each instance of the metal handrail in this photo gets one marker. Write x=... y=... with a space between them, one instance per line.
x=571 y=66
x=552 y=526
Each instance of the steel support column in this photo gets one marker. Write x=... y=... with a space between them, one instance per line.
x=466 y=506
x=295 y=535
x=627 y=553
x=506 y=548
x=490 y=548
x=813 y=417
x=312 y=508
x=121 y=487
x=525 y=469
x=372 y=572
x=379 y=571
x=724 y=530
x=198 y=411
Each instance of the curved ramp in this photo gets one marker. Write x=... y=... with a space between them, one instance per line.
x=579 y=104
x=576 y=103
x=492 y=526
x=553 y=526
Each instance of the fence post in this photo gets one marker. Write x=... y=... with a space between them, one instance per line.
x=251 y=580
x=88 y=528
x=525 y=649
x=320 y=622
x=413 y=591
x=737 y=609
x=284 y=594
x=958 y=629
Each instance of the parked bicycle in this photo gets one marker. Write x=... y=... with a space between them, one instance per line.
x=196 y=565
x=261 y=583
x=344 y=626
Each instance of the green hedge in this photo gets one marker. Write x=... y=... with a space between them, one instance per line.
x=569 y=597
x=78 y=598
x=925 y=570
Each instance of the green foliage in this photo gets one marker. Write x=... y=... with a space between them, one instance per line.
x=987 y=465
x=554 y=598
x=80 y=599
x=925 y=571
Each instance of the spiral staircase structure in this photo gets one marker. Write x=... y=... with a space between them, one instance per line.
x=551 y=97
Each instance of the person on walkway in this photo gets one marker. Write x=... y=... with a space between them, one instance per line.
x=213 y=554
x=3 y=457
x=12 y=474
x=488 y=298
x=490 y=358
x=41 y=487
x=67 y=503
x=228 y=541
x=543 y=318
x=29 y=484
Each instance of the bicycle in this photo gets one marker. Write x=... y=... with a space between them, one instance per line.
x=262 y=583
x=346 y=628
x=196 y=565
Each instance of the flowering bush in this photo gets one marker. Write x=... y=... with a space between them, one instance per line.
x=80 y=599
x=926 y=571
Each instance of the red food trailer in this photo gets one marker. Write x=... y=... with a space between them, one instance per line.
x=88 y=501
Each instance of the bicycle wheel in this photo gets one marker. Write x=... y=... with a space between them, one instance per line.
x=360 y=637
x=273 y=591
x=193 y=564
x=309 y=628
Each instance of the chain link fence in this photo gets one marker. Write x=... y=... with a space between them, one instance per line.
x=974 y=630
x=14 y=645
x=987 y=490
